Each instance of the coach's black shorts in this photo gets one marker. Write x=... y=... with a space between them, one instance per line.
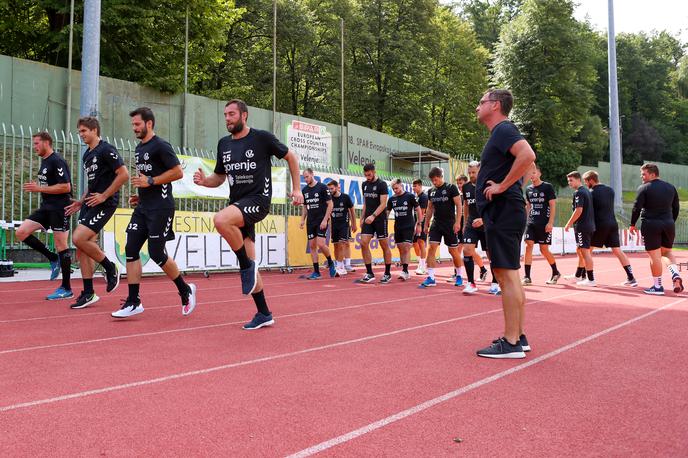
x=254 y=209
x=377 y=229
x=404 y=234
x=51 y=219
x=439 y=231
x=658 y=233
x=341 y=233
x=152 y=224
x=96 y=217
x=538 y=234
x=606 y=237
x=472 y=235
x=313 y=229
x=505 y=222
x=583 y=238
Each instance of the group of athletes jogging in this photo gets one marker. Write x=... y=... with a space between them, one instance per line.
x=486 y=208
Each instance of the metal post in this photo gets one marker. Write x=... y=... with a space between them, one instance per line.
x=274 y=67
x=186 y=80
x=343 y=139
x=614 y=129
x=68 y=117
x=90 y=65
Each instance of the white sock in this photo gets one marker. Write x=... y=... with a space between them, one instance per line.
x=340 y=265
x=431 y=273
x=673 y=268
x=459 y=271
x=658 y=282
x=348 y=262
x=422 y=264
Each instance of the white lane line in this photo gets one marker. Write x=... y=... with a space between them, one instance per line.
x=451 y=395
x=108 y=389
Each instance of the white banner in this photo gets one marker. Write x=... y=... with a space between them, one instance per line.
x=311 y=142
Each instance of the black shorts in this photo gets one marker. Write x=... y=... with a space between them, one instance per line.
x=96 y=217
x=471 y=236
x=51 y=219
x=254 y=209
x=439 y=231
x=459 y=236
x=606 y=237
x=505 y=223
x=537 y=234
x=658 y=233
x=152 y=224
x=377 y=229
x=583 y=238
x=313 y=229
x=341 y=233
x=422 y=236
x=404 y=234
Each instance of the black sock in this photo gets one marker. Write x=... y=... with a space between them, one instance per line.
x=134 y=292
x=629 y=271
x=242 y=257
x=482 y=269
x=388 y=269
x=591 y=276
x=182 y=287
x=494 y=278
x=66 y=266
x=470 y=268
x=369 y=269
x=107 y=264
x=404 y=267
x=261 y=305
x=316 y=267
x=88 y=285
x=527 y=267
x=39 y=246
x=580 y=272
x=329 y=261
x=555 y=271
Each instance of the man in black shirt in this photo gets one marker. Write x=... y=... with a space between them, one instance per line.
x=317 y=208
x=541 y=204
x=105 y=173
x=374 y=223
x=157 y=167
x=343 y=225
x=583 y=221
x=445 y=211
x=606 y=228
x=420 y=239
x=407 y=219
x=243 y=158
x=54 y=185
x=504 y=161
x=473 y=231
x=658 y=207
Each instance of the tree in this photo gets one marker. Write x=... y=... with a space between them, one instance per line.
x=593 y=140
x=488 y=17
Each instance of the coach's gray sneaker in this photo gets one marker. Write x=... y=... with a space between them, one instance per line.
x=502 y=349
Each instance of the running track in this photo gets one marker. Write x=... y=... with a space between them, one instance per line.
x=348 y=370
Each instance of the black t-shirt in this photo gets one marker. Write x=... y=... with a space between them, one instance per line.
x=99 y=165
x=603 y=203
x=539 y=197
x=54 y=170
x=246 y=162
x=582 y=198
x=422 y=200
x=372 y=190
x=656 y=200
x=442 y=198
x=154 y=158
x=468 y=191
x=340 y=209
x=404 y=210
x=315 y=199
x=496 y=161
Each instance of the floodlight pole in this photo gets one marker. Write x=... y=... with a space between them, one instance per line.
x=90 y=65
x=614 y=127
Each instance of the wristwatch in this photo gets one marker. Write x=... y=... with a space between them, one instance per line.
x=150 y=181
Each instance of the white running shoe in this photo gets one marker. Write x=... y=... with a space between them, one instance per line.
x=342 y=271
x=404 y=275
x=420 y=271
x=470 y=289
x=190 y=300
x=586 y=282
x=128 y=309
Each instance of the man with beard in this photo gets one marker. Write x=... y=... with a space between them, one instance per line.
x=157 y=167
x=374 y=223
x=407 y=221
x=243 y=158
x=316 y=210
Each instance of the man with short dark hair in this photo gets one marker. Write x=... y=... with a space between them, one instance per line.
x=374 y=223
x=658 y=207
x=105 y=173
x=420 y=239
x=54 y=185
x=606 y=228
x=343 y=225
x=243 y=158
x=583 y=221
x=407 y=218
x=317 y=207
x=504 y=161
x=157 y=167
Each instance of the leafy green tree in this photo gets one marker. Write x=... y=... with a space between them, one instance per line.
x=593 y=140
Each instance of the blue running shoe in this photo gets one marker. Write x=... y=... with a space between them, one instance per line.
x=459 y=281
x=428 y=283
x=258 y=321
x=333 y=270
x=54 y=269
x=314 y=276
x=60 y=293
x=655 y=291
x=249 y=278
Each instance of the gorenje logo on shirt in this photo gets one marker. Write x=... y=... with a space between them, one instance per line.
x=245 y=166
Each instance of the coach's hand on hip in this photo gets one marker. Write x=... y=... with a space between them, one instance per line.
x=492 y=189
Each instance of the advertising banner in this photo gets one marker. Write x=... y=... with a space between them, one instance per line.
x=311 y=142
